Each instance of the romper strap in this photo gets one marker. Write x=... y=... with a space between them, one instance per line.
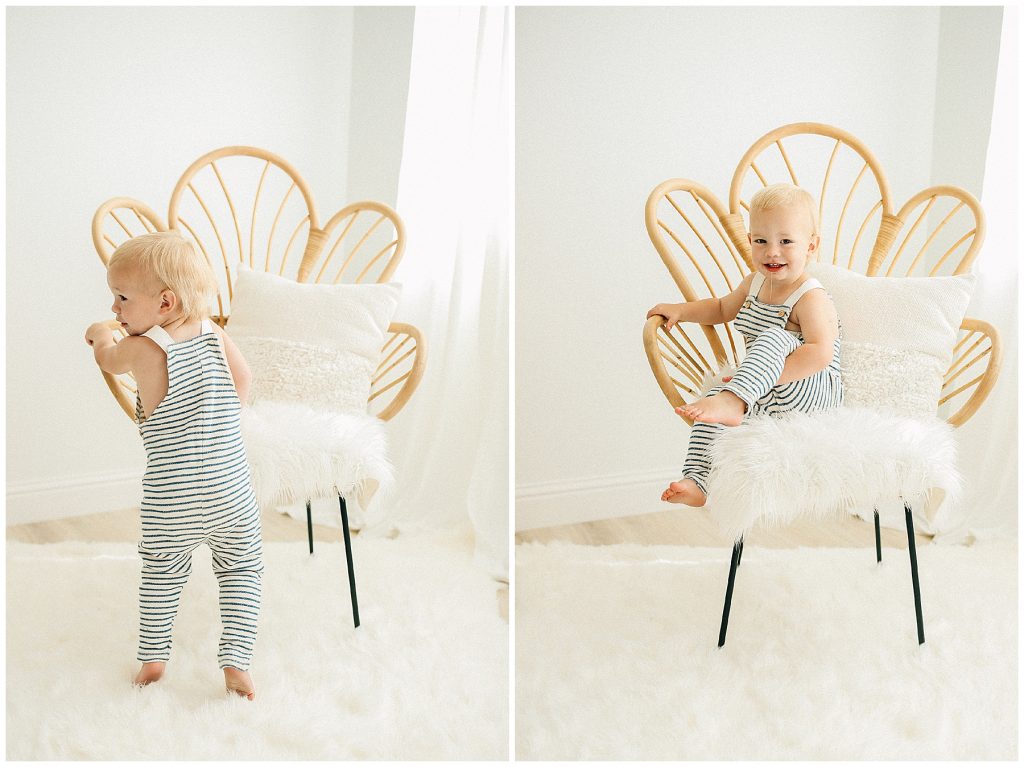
x=755 y=284
x=809 y=284
x=161 y=336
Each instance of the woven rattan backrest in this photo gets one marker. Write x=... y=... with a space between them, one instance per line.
x=854 y=202
x=244 y=205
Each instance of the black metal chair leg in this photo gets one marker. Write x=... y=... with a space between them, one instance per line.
x=348 y=556
x=912 y=544
x=878 y=537
x=737 y=550
x=309 y=526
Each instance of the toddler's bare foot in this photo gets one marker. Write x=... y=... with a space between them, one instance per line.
x=239 y=682
x=150 y=672
x=724 y=408
x=684 y=491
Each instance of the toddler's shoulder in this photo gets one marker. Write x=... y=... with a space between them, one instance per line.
x=141 y=355
x=814 y=294
x=141 y=346
x=815 y=303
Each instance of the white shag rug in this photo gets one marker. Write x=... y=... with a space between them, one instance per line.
x=424 y=677
x=617 y=657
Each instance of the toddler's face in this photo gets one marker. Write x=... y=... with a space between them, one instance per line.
x=781 y=241
x=136 y=301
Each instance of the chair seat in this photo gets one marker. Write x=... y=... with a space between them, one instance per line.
x=772 y=470
x=297 y=453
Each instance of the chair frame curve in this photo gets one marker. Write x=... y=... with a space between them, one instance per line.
x=246 y=151
x=140 y=209
x=889 y=226
x=946 y=190
x=412 y=377
x=353 y=210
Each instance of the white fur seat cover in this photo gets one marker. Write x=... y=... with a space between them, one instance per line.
x=297 y=454
x=773 y=470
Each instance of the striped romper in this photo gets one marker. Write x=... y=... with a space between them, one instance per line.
x=755 y=381
x=196 y=490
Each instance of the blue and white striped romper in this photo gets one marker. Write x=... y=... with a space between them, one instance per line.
x=768 y=343
x=197 y=490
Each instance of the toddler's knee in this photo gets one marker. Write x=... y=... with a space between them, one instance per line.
x=778 y=334
x=779 y=339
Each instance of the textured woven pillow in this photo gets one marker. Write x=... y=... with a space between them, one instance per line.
x=314 y=344
x=879 y=377
x=898 y=335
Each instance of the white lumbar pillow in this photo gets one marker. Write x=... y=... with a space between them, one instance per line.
x=898 y=335
x=915 y=314
x=315 y=344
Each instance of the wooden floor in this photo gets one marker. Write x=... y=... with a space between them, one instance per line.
x=694 y=527
x=123 y=527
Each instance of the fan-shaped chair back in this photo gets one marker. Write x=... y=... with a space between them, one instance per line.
x=704 y=245
x=245 y=205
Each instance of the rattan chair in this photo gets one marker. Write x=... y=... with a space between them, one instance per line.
x=703 y=243
x=247 y=205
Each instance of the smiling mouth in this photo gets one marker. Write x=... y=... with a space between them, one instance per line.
x=773 y=267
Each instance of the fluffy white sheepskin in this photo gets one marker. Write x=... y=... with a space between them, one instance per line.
x=297 y=453
x=773 y=470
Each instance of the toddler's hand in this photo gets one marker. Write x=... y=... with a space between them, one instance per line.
x=98 y=331
x=671 y=313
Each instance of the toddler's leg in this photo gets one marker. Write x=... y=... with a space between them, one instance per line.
x=238 y=565
x=164 y=574
x=762 y=367
x=755 y=377
x=821 y=391
x=757 y=373
x=692 y=488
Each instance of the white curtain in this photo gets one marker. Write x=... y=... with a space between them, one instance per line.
x=450 y=443
x=988 y=442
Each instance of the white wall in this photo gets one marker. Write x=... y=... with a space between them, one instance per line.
x=612 y=101
x=382 y=48
x=965 y=82
x=118 y=101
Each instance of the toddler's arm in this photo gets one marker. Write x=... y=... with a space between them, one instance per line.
x=819 y=325
x=710 y=311
x=112 y=357
x=236 y=362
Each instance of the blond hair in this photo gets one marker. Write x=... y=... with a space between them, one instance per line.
x=171 y=260
x=785 y=195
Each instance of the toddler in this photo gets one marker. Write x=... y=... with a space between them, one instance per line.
x=192 y=381
x=789 y=326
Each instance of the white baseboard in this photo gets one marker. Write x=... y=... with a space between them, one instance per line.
x=74 y=497
x=565 y=503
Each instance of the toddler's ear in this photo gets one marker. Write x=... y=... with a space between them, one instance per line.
x=168 y=301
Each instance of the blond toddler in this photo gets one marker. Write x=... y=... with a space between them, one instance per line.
x=192 y=381
x=790 y=329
